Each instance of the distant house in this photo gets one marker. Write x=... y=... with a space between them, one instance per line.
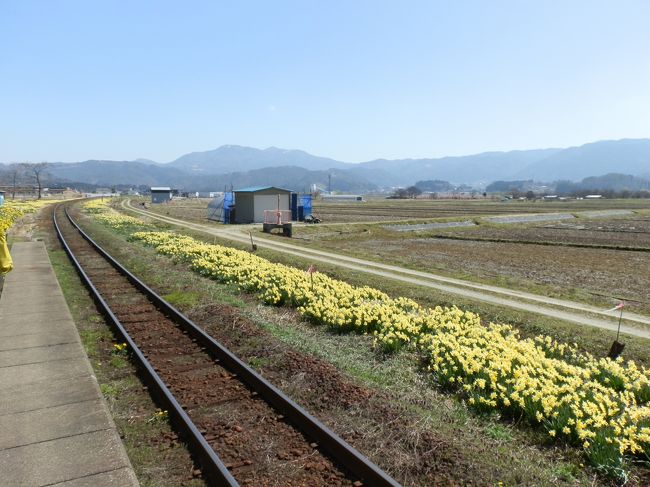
x=593 y=196
x=161 y=194
x=250 y=203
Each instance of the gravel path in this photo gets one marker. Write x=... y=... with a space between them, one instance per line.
x=583 y=314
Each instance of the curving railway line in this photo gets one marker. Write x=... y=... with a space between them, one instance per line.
x=241 y=429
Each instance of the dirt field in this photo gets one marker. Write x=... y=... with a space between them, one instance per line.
x=194 y=209
x=377 y=210
x=383 y=210
x=594 y=275
x=515 y=258
x=632 y=232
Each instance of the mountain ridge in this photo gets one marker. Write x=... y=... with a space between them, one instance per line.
x=572 y=163
x=193 y=170
x=220 y=160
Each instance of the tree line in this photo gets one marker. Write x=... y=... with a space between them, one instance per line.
x=16 y=174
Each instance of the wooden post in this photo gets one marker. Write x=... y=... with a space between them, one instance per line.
x=620 y=318
x=617 y=347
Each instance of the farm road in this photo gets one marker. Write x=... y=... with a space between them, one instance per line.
x=583 y=314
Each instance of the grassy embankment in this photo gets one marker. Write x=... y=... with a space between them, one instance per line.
x=371 y=370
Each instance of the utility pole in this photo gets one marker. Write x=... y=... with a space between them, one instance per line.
x=329 y=183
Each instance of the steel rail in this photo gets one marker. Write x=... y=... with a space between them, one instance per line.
x=331 y=443
x=212 y=466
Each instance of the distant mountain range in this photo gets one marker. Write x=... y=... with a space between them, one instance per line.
x=228 y=157
x=612 y=182
x=295 y=169
x=628 y=156
x=107 y=173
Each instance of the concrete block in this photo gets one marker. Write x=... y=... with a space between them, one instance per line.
x=56 y=337
x=38 y=395
x=32 y=304
x=62 y=459
x=44 y=372
x=31 y=315
x=123 y=477
x=34 y=355
x=32 y=327
x=22 y=429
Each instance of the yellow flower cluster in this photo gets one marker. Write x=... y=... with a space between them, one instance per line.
x=159 y=416
x=108 y=216
x=96 y=206
x=12 y=210
x=599 y=404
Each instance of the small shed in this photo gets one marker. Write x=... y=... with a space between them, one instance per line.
x=161 y=194
x=250 y=203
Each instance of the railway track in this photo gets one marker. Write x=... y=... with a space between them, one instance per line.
x=241 y=429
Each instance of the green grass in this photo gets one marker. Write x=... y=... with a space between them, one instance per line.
x=257 y=362
x=567 y=472
x=109 y=390
x=90 y=340
x=180 y=299
x=118 y=362
x=499 y=432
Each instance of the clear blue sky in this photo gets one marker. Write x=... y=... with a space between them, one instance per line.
x=352 y=80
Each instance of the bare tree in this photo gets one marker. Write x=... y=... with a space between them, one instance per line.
x=37 y=170
x=15 y=171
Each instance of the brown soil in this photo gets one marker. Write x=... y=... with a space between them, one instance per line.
x=602 y=276
x=372 y=422
x=623 y=232
x=394 y=210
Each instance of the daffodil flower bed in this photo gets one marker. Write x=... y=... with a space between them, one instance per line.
x=600 y=405
x=12 y=210
x=108 y=216
x=96 y=206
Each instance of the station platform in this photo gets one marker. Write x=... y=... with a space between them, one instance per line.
x=55 y=428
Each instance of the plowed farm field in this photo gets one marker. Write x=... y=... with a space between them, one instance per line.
x=597 y=260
